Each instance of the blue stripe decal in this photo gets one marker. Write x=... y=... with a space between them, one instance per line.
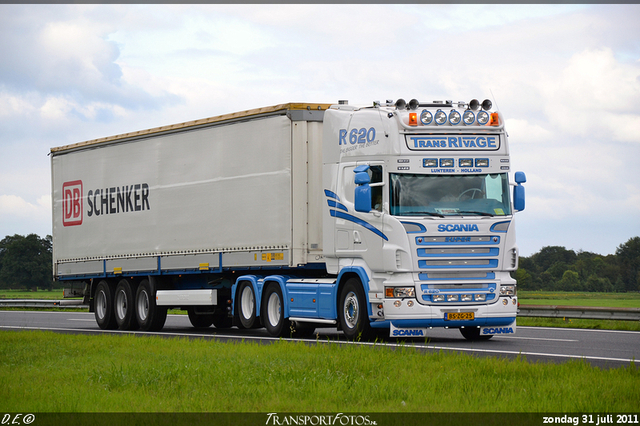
x=360 y=222
x=337 y=205
x=423 y=276
x=331 y=194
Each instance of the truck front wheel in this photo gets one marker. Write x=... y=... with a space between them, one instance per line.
x=354 y=317
x=150 y=316
x=104 y=306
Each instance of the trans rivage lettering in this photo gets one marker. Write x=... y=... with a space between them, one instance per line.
x=128 y=198
x=452 y=142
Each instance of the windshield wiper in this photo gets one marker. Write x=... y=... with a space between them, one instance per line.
x=474 y=212
x=423 y=213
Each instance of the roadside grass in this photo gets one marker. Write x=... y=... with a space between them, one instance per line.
x=49 y=372
x=607 y=300
x=55 y=294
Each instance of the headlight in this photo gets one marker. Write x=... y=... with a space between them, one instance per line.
x=452 y=297
x=468 y=117
x=466 y=298
x=441 y=117
x=438 y=297
x=483 y=117
x=466 y=162
x=426 y=117
x=400 y=292
x=454 y=117
x=480 y=297
x=508 y=290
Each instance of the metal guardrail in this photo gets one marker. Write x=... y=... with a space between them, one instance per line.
x=41 y=303
x=545 y=311
x=580 y=312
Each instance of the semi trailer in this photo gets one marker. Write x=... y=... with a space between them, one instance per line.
x=390 y=218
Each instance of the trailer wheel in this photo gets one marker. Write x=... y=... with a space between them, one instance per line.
x=353 y=313
x=247 y=305
x=273 y=312
x=124 y=306
x=150 y=316
x=473 y=333
x=104 y=306
x=199 y=320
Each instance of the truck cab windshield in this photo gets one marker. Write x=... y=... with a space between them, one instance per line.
x=449 y=195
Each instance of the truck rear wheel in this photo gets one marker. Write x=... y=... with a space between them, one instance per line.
x=104 y=306
x=247 y=305
x=273 y=312
x=124 y=306
x=353 y=313
x=150 y=316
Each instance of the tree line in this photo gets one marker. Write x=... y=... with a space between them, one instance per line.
x=555 y=268
x=26 y=263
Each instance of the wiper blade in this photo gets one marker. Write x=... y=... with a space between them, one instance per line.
x=424 y=213
x=474 y=212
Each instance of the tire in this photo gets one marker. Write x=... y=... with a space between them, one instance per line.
x=199 y=320
x=353 y=313
x=150 y=316
x=124 y=305
x=273 y=312
x=247 y=305
x=104 y=306
x=473 y=333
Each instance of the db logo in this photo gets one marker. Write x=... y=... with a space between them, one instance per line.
x=72 y=203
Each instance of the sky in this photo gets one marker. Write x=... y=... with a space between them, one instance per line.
x=565 y=77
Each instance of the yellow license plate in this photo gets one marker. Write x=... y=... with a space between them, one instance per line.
x=459 y=316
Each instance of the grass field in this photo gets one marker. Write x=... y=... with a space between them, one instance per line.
x=48 y=372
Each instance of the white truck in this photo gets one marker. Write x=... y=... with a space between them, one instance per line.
x=395 y=217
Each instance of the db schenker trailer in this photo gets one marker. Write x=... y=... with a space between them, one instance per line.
x=395 y=217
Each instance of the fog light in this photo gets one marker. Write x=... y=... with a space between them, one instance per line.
x=398 y=303
x=410 y=303
x=504 y=302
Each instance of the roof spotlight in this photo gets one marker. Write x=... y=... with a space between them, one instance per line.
x=401 y=103
x=486 y=105
x=474 y=104
x=413 y=104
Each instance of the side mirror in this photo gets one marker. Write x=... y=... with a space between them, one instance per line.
x=363 y=190
x=518 y=191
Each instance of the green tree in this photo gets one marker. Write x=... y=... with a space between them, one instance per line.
x=628 y=255
x=25 y=262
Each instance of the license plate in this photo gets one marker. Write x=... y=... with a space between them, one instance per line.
x=459 y=316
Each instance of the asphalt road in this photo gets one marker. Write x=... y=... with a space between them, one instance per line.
x=602 y=348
